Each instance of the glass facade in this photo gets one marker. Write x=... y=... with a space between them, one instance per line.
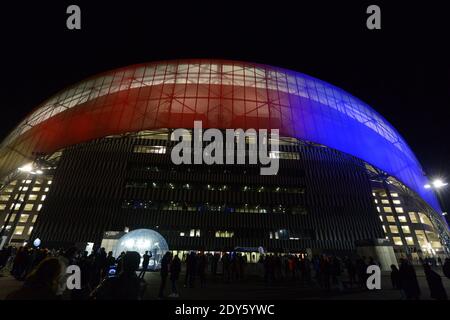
x=223 y=94
x=411 y=232
x=23 y=199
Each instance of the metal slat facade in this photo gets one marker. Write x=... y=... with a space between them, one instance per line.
x=89 y=189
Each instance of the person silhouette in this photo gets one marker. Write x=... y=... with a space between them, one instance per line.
x=42 y=283
x=165 y=263
x=145 y=263
x=437 y=290
x=127 y=285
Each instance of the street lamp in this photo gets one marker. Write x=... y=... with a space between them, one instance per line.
x=436 y=184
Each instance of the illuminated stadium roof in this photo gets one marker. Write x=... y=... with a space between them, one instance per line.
x=223 y=94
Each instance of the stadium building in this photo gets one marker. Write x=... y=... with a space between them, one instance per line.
x=96 y=158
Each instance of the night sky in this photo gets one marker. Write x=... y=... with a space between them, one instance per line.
x=402 y=71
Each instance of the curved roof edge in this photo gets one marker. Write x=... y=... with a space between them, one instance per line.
x=224 y=94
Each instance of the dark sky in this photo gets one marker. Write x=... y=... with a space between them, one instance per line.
x=402 y=71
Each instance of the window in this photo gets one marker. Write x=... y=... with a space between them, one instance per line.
x=279 y=209
x=376 y=201
x=284 y=141
x=405 y=229
x=19 y=230
x=381 y=218
x=36 y=189
x=394 y=229
x=186 y=186
x=224 y=234
x=284 y=155
x=43 y=197
x=387 y=209
x=413 y=217
x=282 y=234
x=34 y=218
x=24 y=218
x=402 y=219
x=424 y=219
x=421 y=238
x=409 y=241
x=182 y=234
x=396 y=201
x=30 y=229
x=149 y=149
x=384 y=229
x=155 y=135
x=28 y=207
x=13 y=217
x=394 y=195
x=2 y=207
x=8 y=190
x=399 y=209
x=390 y=218
x=32 y=197
x=378 y=209
x=39 y=207
x=397 y=241
x=194 y=233
x=385 y=201
x=299 y=210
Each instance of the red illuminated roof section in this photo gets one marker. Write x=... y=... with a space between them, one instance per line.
x=223 y=94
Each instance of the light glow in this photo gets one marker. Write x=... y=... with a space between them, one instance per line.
x=438 y=183
x=26 y=168
x=142 y=240
x=305 y=108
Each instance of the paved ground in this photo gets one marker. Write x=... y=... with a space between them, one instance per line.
x=253 y=287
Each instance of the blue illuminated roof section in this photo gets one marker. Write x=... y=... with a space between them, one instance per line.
x=224 y=94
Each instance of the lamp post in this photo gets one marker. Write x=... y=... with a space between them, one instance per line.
x=437 y=185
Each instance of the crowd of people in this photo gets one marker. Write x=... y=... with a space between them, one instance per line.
x=106 y=277
x=405 y=280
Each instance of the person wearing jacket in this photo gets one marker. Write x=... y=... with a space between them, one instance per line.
x=127 y=285
x=42 y=283
x=165 y=263
x=175 y=269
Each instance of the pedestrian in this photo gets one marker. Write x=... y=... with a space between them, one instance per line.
x=201 y=265
x=408 y=280
x=165 y=262
x=226 y=266
x=145 y=262
x=351 y=271
x=42 y=283
x=395 y=277
x=175 y=269
x=125 y=286
x=110 y=261
x=214 y=262
x=446 y=268
x=437 y=290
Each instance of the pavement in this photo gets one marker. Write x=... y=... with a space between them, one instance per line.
x=254 y=288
